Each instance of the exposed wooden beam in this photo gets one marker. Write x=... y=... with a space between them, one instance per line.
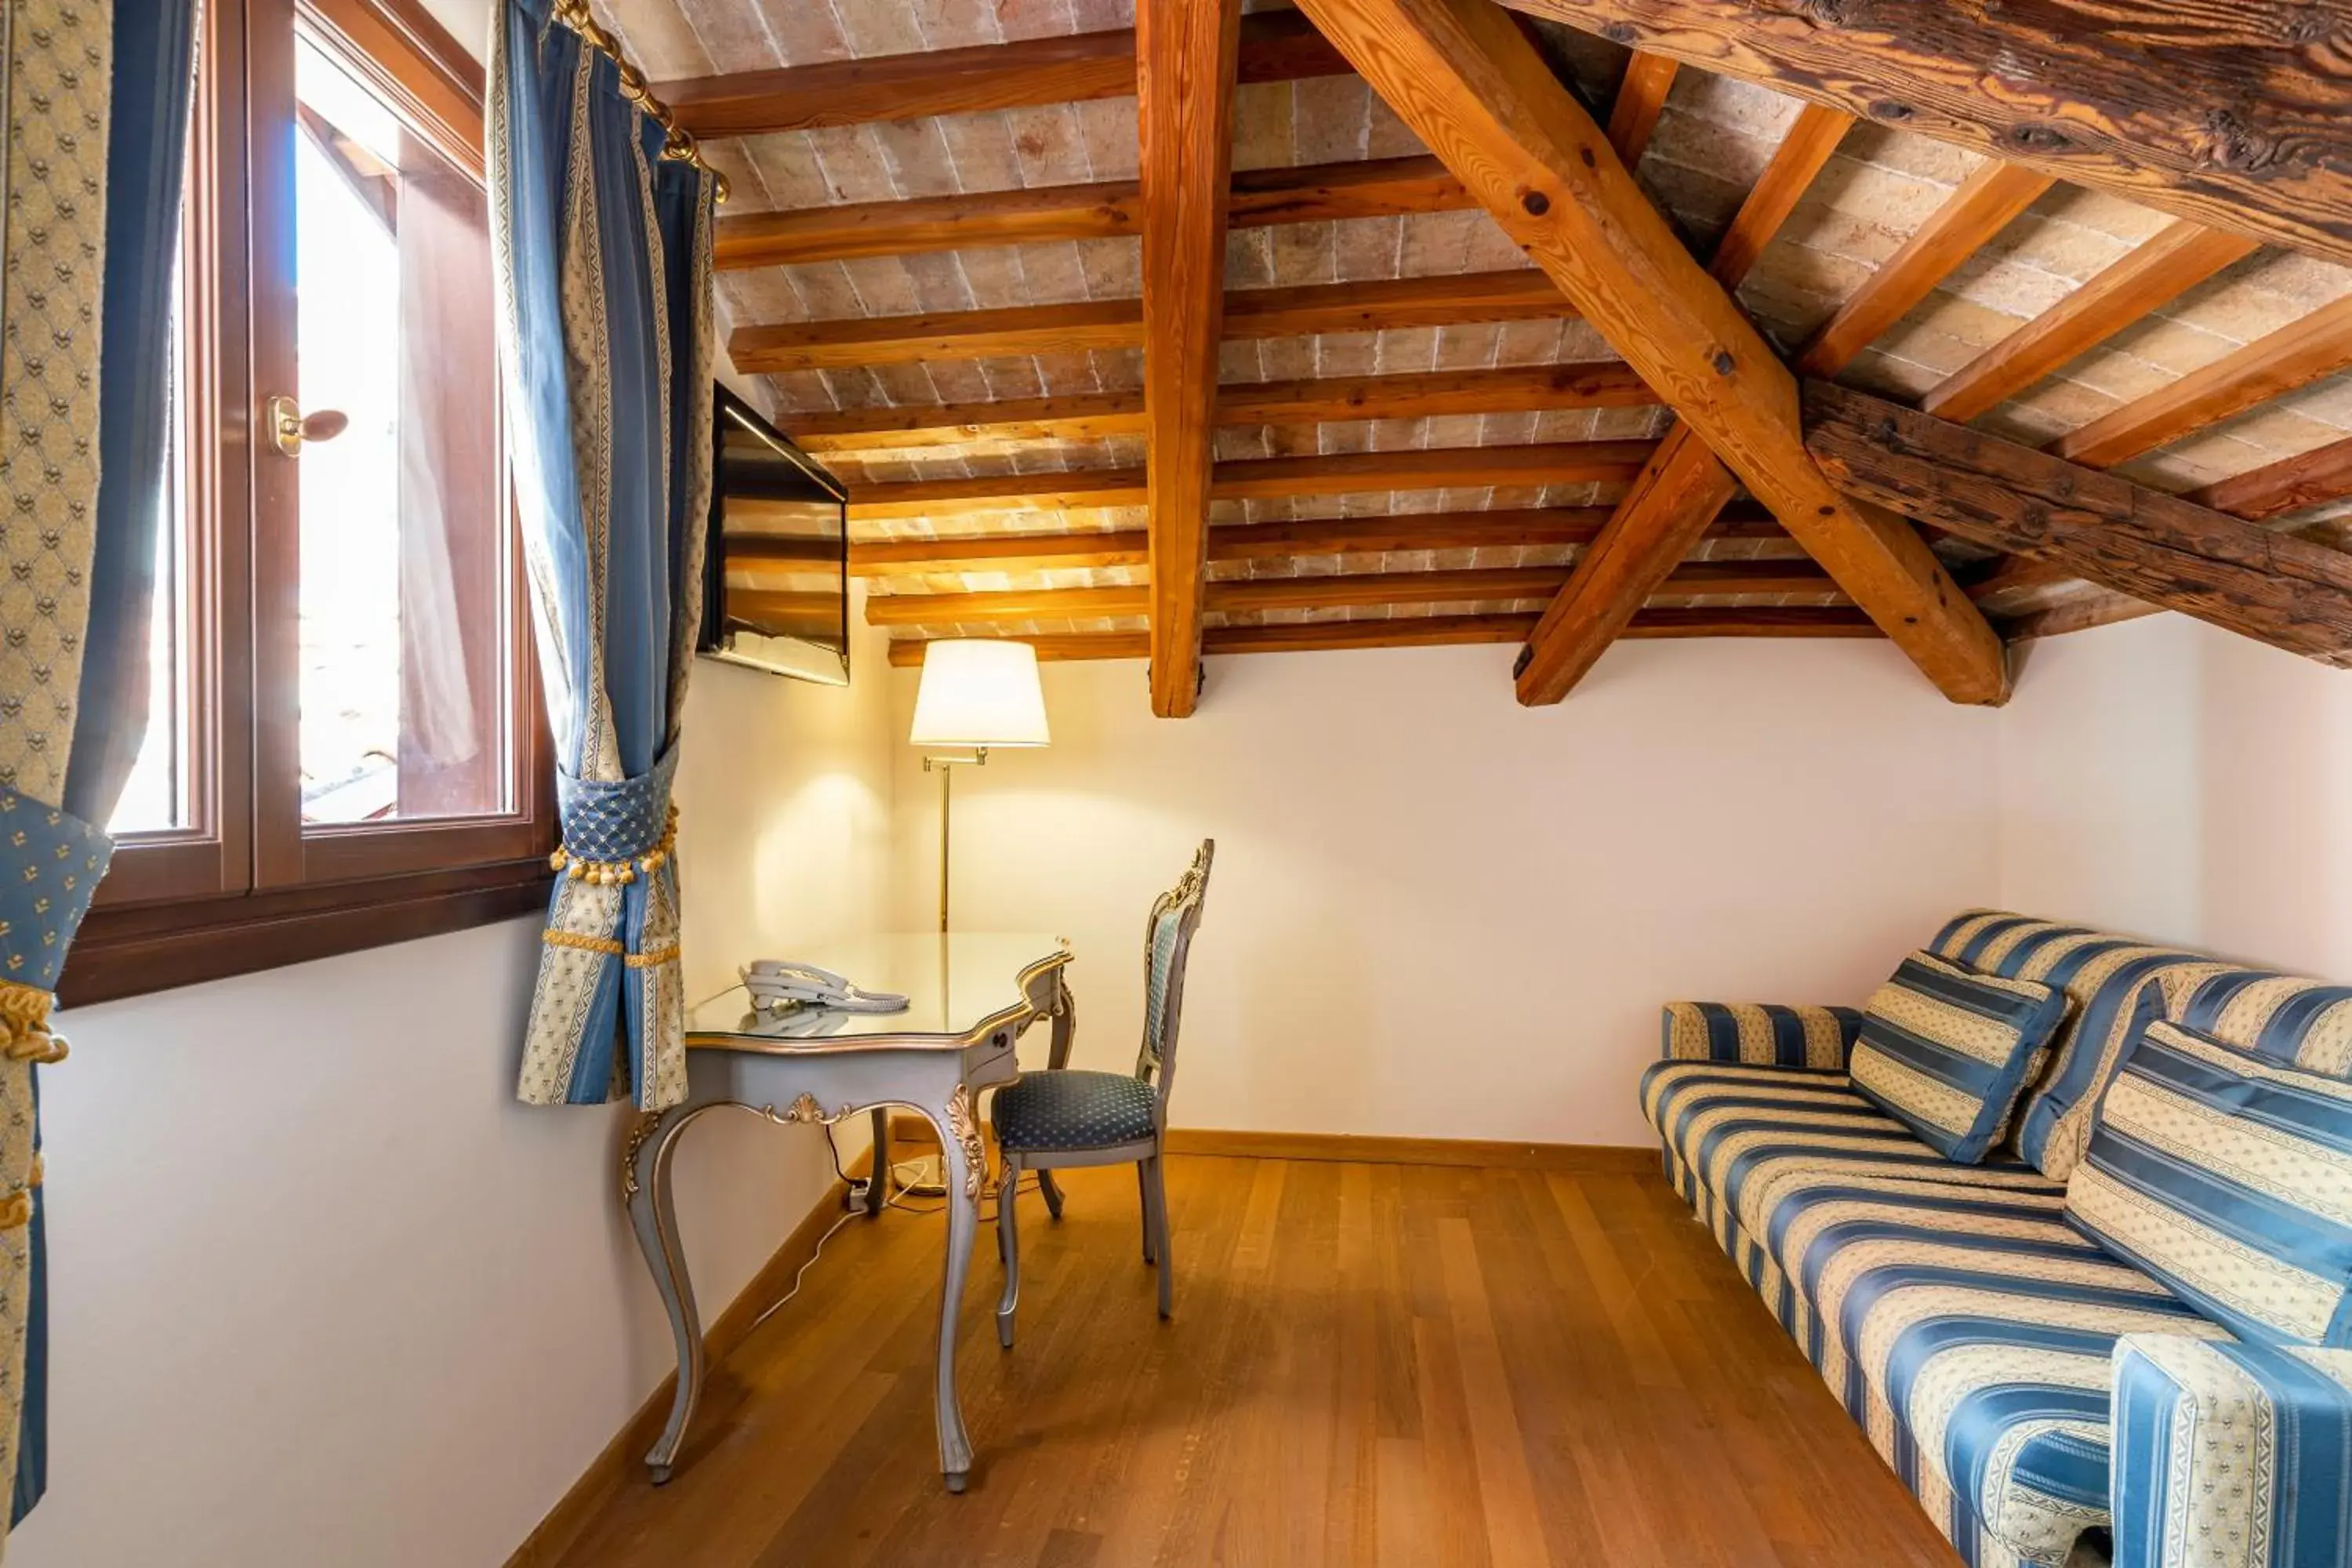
x=2156 y=271
x=1329 y=591
x=1685 y=484
x=1812 y=137
x=1276 y=46
x=1185 y=53
x=1640 y=96
x=1511 y=389
x=1379 y=535
x=1111 y=209
x=1500 y=529
x=1068 y=416
x=2296 y=355
x=2015 y=575
x=2158 y=549
x=2092 y=607
x=1982 y=206
x=1056 y=490
x=2241 y=117
x=1258 y=478
x=1464 y=78
x=2306 y=479
x=1428 y=631
x=1462 y=300
x=851 y=343
x=1677 y=495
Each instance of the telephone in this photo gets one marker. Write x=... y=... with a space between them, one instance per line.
x=776 y=982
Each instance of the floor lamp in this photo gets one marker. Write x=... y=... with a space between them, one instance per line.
x=976 y=694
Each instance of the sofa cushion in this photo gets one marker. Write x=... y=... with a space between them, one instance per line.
x=2101 y=972
x=1750 y=1135
x=1947 y=1052
x=2228 y=1178
x=1965 y=1324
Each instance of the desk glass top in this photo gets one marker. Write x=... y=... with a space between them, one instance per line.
x=952 y=983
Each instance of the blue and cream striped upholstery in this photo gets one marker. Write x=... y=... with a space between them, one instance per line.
x=1966 y=1326
x=2101 y=973
x=1947 y=1052
x=1765 y=1033
x=2228 y=1178
x=2238 y=1454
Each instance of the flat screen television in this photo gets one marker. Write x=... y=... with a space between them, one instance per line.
x=775 y=585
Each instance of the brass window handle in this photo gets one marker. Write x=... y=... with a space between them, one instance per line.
x=289 y=426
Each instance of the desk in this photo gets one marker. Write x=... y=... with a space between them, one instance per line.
x=970 y=999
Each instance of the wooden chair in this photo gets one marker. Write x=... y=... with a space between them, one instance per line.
x=1064 y=1116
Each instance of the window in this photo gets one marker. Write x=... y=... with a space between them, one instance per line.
x=344 y=743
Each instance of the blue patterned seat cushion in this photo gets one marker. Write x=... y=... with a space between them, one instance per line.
x=1967 y=1327
x=2229 y=1179
x=1947 y=1051
x=1073 y=1110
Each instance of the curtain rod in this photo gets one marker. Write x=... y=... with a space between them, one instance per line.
x=678 y=142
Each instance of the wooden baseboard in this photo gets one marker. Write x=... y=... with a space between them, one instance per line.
x=1589 y=1159
x=913 y=1135
x=621 y=1458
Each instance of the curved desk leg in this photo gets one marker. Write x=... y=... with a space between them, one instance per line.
x=964 y=1165
x=878 y=1176
x=653 y=1215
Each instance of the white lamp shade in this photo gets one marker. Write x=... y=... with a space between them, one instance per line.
x=980 y=692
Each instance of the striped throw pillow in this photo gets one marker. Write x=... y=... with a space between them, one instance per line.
x=1949 y=1051
x=2228 y=1178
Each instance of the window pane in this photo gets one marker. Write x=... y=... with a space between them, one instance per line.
x=156 y=798
x=404 y=532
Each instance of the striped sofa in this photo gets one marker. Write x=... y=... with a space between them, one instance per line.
x=2032 y=1389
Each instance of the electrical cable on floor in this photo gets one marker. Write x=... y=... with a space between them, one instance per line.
x=895 y=1201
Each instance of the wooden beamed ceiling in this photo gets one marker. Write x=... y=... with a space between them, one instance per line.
x=1485 y=128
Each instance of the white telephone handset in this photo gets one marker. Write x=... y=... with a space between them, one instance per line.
x=776 y=982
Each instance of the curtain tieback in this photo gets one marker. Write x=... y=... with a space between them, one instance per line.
x=614 y=832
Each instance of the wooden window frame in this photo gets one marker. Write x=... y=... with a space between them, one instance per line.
x=248 y=887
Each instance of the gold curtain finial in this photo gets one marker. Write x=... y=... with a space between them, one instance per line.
x=679 y=143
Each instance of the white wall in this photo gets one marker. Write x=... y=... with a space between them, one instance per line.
x=1437 y=913
x=323 y=1293
x=2164 y=777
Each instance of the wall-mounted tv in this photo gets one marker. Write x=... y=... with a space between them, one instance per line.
x=775 y=586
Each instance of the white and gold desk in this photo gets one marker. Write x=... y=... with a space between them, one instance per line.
x=969 y=998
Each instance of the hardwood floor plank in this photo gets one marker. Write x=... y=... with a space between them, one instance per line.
x=1439 y=1366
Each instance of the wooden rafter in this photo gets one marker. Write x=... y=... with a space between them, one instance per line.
x=2241 y=121
x=1812 y=137
x=1314 y=400
x=1462 y=299
x=1640 y=95
x=1110 y=209
x=1530 y=464
x=1982 y=206
x=2296 y=355
x=1274 y=47
x=1433 y=631
x=2290 y=485
x=2156 y=272
x=1499 y=528
x=1185 y=53
x=2158 y=549
x=1687 y=484
x=1329 y=591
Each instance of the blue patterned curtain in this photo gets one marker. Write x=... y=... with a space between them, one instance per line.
x=97 y=107
x=601 y=238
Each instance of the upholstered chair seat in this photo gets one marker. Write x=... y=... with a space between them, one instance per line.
x=1075 y=1109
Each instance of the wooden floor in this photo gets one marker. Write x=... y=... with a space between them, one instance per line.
x=1376 y=1365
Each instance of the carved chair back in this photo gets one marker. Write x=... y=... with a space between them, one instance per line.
x=1167 y=944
